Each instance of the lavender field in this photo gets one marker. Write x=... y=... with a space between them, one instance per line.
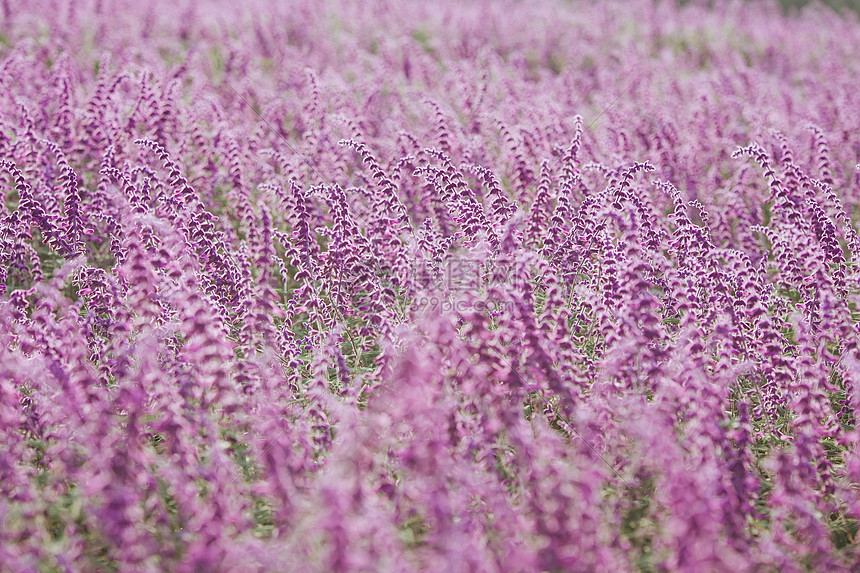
x=341 y=286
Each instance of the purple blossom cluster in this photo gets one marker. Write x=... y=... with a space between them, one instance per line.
x=428 y=286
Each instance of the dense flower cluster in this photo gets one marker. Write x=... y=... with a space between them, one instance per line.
x=428 y=286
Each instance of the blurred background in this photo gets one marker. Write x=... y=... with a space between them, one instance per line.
x=797 y=5
x=836 y=4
